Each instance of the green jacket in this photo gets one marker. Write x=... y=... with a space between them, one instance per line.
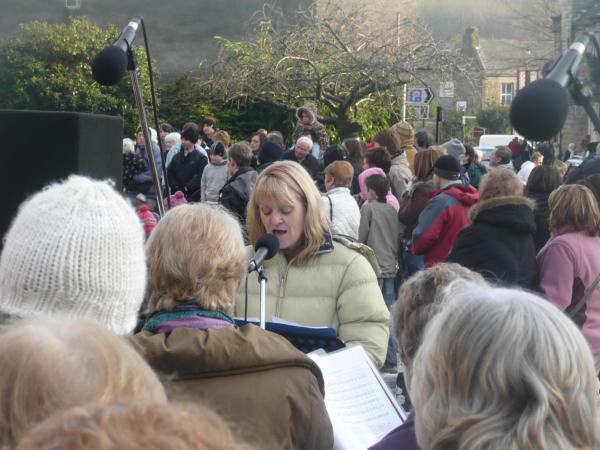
x=475 y=175
x=337 y=288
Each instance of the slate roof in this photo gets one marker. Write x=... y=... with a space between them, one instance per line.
x=501 y=56
x=587 y=17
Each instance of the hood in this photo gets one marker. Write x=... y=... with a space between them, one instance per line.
x=541 y=202
x=406 y=133
x=362 y=179
x=467 y=195
x=400 y=160
x=188 y=353
x=310 y=109
x=515 y=213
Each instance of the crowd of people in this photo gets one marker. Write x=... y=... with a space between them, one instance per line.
x=475 y=282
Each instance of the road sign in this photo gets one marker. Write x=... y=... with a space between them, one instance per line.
x=461 y=106
x=446 y=89
x=420 y=96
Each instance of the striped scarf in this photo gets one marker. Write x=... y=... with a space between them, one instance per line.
x=187 y=315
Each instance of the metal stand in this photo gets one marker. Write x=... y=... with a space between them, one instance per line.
x=133 y=70
x=581 y=96
x=262 y=278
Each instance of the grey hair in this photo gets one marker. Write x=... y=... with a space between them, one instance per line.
x=504 y=153
x=173 y=137
x=571 y=146
x=307 y=140
x=502 y=368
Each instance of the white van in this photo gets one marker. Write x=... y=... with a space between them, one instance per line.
x=493 y=140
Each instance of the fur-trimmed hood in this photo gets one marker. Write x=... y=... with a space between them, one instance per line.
x=310 y=109
x=515 y=212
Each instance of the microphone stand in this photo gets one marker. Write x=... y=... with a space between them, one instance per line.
x=134 y=75
x=581 y=96
x=262 y=278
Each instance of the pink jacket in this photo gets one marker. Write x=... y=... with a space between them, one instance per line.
x=362 y=179
x=567 y=266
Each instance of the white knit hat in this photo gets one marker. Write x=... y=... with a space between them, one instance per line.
x=75 y=249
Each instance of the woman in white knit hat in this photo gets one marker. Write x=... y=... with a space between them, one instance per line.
x=75 y=249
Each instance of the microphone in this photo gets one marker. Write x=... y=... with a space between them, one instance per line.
x=539 y=110
x=266 y=248
x=109 y=66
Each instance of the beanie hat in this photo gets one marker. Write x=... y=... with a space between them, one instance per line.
x=217 y=149
x=332 y=154
x=454 y=148
x=190 y=135
x=147 y=218
x=447 y=167
x=75 y=249
x=176 y=199
x=269 y=152
x=210 y=121
x=405 y=131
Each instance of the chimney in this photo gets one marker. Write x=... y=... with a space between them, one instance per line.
x=470 y=41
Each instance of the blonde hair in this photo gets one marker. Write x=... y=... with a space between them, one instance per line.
x=500 y=183
x=223 y=137
x=417 y=303
x=289 y=181
x=537 y=156
x=133 y=426
x=196 y=252
x=52 y=364
x=502 y=368
x=341 y=172
x=478 y=156
x=574 y=208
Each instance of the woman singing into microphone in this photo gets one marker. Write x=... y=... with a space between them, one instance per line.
x=317 y=279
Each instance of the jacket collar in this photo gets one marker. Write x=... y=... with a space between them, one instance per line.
x=327 y=246
x=486 y=205
x=241 y=171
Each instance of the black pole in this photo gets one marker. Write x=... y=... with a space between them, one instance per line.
x=438 y=121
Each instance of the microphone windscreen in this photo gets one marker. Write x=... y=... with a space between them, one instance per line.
x=270 y=242
x=540 y=110
x=109 y=66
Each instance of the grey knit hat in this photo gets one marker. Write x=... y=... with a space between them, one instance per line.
x=454 y=148
x=75 y=249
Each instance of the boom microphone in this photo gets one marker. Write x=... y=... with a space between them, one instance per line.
x=540 y=109
x=266 y=247
x=109 y=66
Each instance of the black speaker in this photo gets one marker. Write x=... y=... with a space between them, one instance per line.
x=41 y=147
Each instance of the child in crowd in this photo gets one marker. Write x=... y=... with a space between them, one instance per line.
x=133 y=164
x=307 y=122
x=215 y=175
x=379 y=229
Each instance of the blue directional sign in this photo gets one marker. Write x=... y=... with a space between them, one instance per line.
x=419 y=96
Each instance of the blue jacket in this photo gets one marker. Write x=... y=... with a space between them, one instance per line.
x=146 y=176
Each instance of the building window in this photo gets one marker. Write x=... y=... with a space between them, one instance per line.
x=507 y=93
x=72 y=4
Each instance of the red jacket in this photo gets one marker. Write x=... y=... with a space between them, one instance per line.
x=445 y=215
x=515 y=148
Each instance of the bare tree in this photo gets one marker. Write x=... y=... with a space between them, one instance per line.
x=340 y=54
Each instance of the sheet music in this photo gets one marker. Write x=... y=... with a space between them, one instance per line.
x=361 y=407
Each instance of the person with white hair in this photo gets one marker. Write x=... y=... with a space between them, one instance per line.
x=570 y=152
x=526 y=381
x=301 y=154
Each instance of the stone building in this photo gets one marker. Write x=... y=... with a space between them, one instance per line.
x=576 y=17
x=505 y=65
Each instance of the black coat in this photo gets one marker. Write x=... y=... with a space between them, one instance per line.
x=499 y=242
x=185 y=173
x=310 y=163
x=542 y=218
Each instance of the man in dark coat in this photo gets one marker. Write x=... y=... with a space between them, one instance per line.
x=302 y=155
x=499 y=243
x=187 y=166
x=236 y=193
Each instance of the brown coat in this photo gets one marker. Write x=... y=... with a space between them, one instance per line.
x=271 y=393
